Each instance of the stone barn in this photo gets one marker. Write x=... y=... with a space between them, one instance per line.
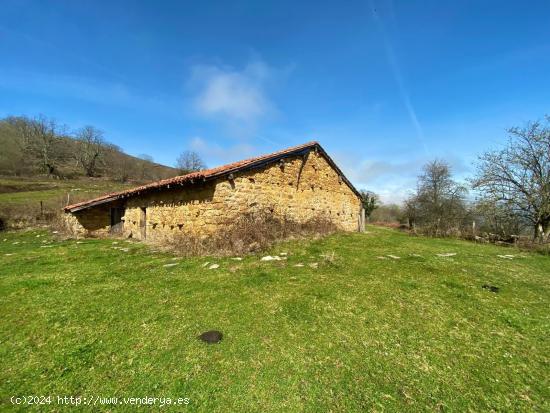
x=299 y=183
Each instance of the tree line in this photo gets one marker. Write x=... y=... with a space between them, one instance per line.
x=508 y=195
x=41 y=145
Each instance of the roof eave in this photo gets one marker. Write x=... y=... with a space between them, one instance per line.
x=252 y=165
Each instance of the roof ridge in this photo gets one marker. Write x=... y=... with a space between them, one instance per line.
x=206 y=173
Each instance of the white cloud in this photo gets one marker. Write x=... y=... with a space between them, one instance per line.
x=393 y=181
x=233 y=95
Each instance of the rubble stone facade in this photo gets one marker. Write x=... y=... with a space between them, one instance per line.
x=299 y=187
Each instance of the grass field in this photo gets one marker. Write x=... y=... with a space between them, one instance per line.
x=347 y=331
x=28 y=201
x=19 y=191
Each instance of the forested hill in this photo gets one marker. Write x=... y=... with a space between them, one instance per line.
x=41 y=147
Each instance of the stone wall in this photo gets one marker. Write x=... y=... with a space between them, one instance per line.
x=300 y=188
x=95 y=221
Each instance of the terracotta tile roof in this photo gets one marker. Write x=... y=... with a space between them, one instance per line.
x=207 y=174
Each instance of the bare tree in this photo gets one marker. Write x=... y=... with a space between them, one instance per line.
x=146 y=167
x=410 y=209
x=497 y=218
x=40 y=140
x=22 y=127
x=189 y=161
x=119 y=165
x=13 y=156
x=45 y=132
x=91 y=146
x=438 y=204
x=124 y=169
x=518 y=176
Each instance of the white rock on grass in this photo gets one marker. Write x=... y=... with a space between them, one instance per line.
x=214 y=266
x=314 y=265
x=506 y=257
x=170 y=265
x=7 y=255
x=237 y=258
x=393 y=257
x=271 y=258
x=283 y=253
x=447 y=254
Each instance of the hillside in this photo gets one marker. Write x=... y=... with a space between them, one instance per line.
x=39 y=147
x=379 y=321
x=42 y=167
x=30 y=201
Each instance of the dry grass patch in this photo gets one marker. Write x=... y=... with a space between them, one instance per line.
x=251 y=232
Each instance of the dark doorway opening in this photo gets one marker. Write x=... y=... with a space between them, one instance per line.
x=143 y=223
x=116 y=220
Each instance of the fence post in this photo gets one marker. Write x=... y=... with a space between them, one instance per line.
x=362 y=219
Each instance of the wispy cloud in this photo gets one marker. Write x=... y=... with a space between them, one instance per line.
x=239 y=98
x=395 y=180
x=392 y=181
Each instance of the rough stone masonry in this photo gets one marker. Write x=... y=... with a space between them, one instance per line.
x=299 y=183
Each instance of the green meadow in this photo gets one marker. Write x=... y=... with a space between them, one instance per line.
x=53 y=193
x=380 y=321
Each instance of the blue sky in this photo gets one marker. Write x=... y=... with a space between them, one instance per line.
x=383 y=85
